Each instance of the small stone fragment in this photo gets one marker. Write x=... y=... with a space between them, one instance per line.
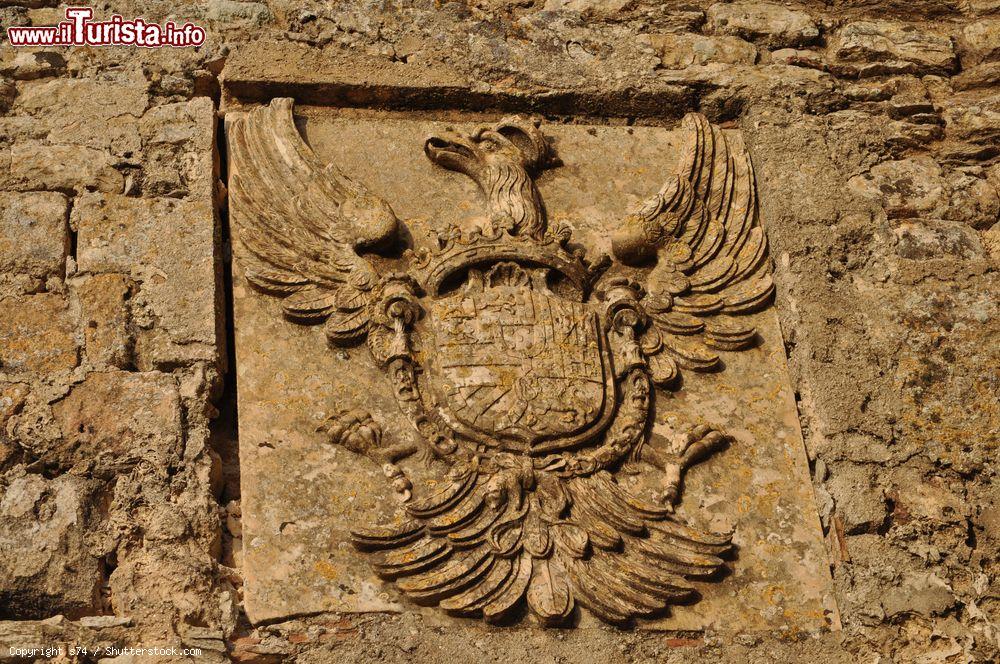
x=34 y=238
x=876 y=48
x=685 y=50
x=37 y=334
x=980 y=42
x=769 y=25
x=104 y=307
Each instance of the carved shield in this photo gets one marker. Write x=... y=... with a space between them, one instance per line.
x=520 y=368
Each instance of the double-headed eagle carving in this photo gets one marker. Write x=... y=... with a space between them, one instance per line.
x=535 y=379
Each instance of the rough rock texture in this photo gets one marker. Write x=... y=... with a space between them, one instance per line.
x=682 y=51
x=59 y=572
x=770 y=25
x=876 y=144
x=37 y=335
x=879 y=47
x=33 y=238
x=168 y=245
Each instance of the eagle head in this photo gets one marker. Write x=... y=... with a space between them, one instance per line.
x=514 y=141
x=499 y=158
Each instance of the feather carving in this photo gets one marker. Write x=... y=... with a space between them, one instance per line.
x=547 y=543
x=710 y=252
x=302 y=223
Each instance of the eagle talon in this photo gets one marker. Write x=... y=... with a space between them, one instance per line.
x=697 y=445
x=400 y=482
x=357 y=431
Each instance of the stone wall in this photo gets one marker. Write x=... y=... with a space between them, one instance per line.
x=875 y=131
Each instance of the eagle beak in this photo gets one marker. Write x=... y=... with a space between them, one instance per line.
x=453 y=152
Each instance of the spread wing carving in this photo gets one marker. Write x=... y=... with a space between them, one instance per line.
x=302 y=222
x=710 y=251
x=483 y=543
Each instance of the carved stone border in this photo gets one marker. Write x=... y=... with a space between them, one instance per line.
x=261 y=72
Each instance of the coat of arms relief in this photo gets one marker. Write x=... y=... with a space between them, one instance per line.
x=530 y=370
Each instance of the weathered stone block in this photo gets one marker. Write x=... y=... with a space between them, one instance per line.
x=918 y=187
x=920 y=593
x=165 y=581
x=589 y=7
x=114 y=420
x=860 y=503
x=921 y=239
x=8 y=92
x=978 y=8
x=917 y=497
x=169 y=247
x=980 y=42
x=34 y=238
x=885 y=47
x=13 y=15
x=798 y=58
x=178 y=148
x=974 y=200
x=24 y=65
x=36 y=165
x=685 y=50
x=981 y=76
x=104 y=305
x=770 y=25
x=991 y=241
x=975 y=120
x=906 y=187
x=37 y=334
x=84 y=111
x=46 y=566
x=229 y=11
x=12 y=398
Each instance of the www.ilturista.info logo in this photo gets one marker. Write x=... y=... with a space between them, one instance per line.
x=79 y=30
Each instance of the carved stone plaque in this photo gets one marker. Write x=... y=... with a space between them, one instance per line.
x=514 y=371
